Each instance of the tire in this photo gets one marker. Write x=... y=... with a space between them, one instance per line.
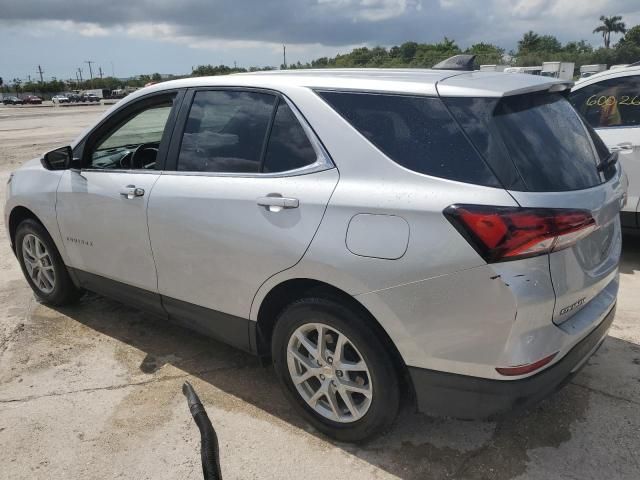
x=59 y=292
x=369 y=415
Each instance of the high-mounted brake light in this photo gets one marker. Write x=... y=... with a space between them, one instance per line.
x=507 y=233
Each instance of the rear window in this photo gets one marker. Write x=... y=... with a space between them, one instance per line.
x=534 y=142
x=415 y=132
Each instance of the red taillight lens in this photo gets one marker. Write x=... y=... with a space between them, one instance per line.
x=508 y=233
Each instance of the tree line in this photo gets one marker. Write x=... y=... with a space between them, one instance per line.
x=532 y=50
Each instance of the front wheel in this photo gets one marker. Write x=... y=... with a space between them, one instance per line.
x=335 y=369
x=42 y=265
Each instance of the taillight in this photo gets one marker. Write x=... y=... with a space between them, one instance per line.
x=507 y=233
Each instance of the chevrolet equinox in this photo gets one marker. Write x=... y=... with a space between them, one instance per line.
x=450 y=237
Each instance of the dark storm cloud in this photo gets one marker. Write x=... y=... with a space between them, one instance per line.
x=336 y=22
x=329 y=22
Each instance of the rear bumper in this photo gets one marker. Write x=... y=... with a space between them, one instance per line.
x=461 y=396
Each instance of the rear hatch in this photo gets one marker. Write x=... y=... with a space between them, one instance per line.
x=548 y=158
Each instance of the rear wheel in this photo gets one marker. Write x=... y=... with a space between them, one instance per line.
x=335 y=370
x=42 y=265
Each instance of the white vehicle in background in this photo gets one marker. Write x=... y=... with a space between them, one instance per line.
x=587 y=70
x=96 y=92
x=58 y=99
x=493 y=68
x=610 y=102
x=525 y=70
x=559 y=70
x=533 y=70
x=616 y=67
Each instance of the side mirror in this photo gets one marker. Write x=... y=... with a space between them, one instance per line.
x=58 y=159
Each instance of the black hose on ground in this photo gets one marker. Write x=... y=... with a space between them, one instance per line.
x=209 y=440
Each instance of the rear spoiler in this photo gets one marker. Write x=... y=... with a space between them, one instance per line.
x=492 y=84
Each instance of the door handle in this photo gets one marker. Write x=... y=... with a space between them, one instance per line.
x=623 y=147
x=277 y=203
x=131 y=191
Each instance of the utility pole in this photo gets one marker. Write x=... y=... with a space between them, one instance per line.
x=90 y=70
x=100 y=70
x=80 y=72
x=40 y=72
x=284 y=56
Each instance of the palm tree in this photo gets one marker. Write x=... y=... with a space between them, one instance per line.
x=610 y=25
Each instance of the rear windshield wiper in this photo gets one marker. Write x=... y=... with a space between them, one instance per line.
x=607 y=162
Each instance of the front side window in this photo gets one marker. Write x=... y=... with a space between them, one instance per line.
x=226 y=131
x=134 y=143
x=610 y=103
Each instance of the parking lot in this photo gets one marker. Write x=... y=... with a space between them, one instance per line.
x=93 y=391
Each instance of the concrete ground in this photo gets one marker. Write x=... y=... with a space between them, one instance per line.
x=93 y=391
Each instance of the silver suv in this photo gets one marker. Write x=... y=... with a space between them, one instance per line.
x=379 y=234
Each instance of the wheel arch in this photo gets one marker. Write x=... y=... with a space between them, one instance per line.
x=18 y=214
x=290 y=290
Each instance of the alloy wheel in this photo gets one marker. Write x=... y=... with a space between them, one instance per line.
x=329 y=372
x=38 y=263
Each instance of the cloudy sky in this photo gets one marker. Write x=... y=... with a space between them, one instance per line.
x=129 y=37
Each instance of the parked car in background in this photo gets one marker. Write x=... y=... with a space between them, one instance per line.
x=60 y=99
x=466 y=251
x=12 y=101
x=73 y=97
x=90 y=97
x=610 y=102
x=32 y=99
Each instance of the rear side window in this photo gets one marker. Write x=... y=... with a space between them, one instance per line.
x=289 y=147
x=415 y=132
x=533 y=142
x=610 y=103
x=226 y=131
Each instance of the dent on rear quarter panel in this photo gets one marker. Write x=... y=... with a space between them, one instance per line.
x=471 y=321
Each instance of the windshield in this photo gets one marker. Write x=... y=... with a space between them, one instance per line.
x=534 y=142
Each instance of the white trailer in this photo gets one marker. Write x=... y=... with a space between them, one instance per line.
x=95 y=91
x=588 y=70
x=525 y=70
x=560 y=70
x=492 y=68
x=533 y=70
